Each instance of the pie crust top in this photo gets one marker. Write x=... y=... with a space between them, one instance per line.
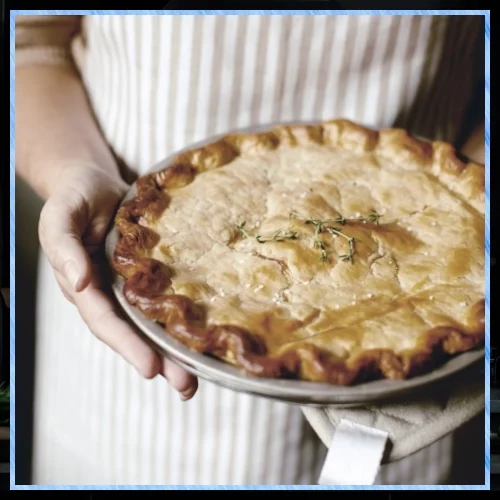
x=377 y=269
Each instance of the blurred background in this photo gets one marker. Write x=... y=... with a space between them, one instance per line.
x=28 y=207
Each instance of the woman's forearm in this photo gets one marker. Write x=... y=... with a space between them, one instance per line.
x=55 y=127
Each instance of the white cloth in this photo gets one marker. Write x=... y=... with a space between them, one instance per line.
x=157 y=84
x=412 y=423
x=354 y=456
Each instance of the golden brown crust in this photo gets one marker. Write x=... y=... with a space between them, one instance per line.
x=148 y=279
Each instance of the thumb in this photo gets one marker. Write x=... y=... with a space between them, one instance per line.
x=60 y=232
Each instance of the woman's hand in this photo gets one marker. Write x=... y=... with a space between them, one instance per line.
x=62 y=154
x=73 y=224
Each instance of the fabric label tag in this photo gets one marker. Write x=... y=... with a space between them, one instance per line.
x=354 y=456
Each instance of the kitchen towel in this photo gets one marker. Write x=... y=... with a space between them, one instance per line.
x=411 y=423
x=354 y=456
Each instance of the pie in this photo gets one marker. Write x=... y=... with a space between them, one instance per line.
x=326 y=252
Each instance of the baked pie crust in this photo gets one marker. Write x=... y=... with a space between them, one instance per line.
x=412 y=294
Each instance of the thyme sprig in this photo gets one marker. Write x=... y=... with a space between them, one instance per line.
x=242 y=230
x=372 y=218
x=318 y=242
x=320 y=226
x=349 y=256
x=340 y=220
x=321 y=245
x=277 y=236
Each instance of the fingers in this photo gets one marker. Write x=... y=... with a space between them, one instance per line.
x=181 y=380
x=64 y=286
x=60 y=237
x=101 y=316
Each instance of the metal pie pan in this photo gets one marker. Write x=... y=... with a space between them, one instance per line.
x=291 y=391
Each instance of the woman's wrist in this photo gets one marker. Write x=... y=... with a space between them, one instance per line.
x=67 y=167
x=56 y=129
x=45 y=175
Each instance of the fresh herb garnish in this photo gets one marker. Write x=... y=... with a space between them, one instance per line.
x=318 y=242
x=351 y=241
x=321 y=245
x=340 y=220
x=277 y=236
x=373 y=218
x=320 y=226
x=242 y=230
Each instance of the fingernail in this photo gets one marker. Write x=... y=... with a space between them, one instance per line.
x=72 y=273
x=186 y=395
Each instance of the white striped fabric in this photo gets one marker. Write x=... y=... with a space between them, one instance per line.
x=158 y=84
